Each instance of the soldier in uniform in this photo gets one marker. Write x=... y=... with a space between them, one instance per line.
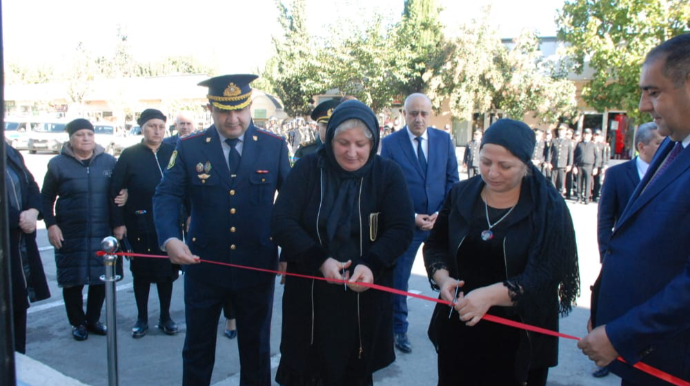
x=538 y=154
x=561 y=159
x=604 y=157
x=586 y=156
x=570 y=178
x=231 y=172
x=471 y=157
x=321 y=115
x=546 y=166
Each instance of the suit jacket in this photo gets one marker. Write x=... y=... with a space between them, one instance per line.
x=230 y=219
x=645 y=280
x=561 y=153
x=619 y=184
x=442 y=167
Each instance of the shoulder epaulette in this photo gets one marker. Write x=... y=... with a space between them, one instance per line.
x=194 y=135
x=262 y=131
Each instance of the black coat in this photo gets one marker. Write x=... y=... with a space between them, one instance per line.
x=82 y=212
x=294 y=228
x=451 y=227
x=140 y=170
x=28 y=277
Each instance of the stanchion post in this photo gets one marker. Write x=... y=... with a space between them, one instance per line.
x=109 y=246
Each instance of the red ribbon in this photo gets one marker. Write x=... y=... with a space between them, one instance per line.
x=639 y=365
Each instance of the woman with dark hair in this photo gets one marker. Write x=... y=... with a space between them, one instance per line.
x=139 y=170
x=503 y=244
x=344 y=213
x=79 y=178
x=24 y=208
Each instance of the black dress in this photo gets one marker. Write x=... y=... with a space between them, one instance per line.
x=484 y=354
x=140 y=170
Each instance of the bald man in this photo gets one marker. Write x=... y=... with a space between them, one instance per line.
x=184 y=125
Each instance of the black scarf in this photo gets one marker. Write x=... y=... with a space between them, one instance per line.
x=340 y=213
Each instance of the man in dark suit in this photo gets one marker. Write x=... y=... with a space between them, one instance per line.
x=586 y=156
x=231 y=172
x=427 y=158
x=538 y=154
x=644 y=295
x=561 y=159
x=184 y=125
x=604 y=157
x=471 y=158
x=620 y=182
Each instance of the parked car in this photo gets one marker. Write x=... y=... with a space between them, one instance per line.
x=120 y=143
x=17 y=133
x=48 y=136
x=108 y=135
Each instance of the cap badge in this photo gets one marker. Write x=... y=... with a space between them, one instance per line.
x=232 y=90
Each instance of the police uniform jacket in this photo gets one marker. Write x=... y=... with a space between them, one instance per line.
x=561 y=153
x=538 y=154
x=229 y=216
x=604 y=154
x=586 y=153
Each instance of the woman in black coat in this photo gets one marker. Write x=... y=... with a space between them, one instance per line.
x=79 y=178
x=139 y=170
x=503 y=244
x=344 y=213
x=24 y=208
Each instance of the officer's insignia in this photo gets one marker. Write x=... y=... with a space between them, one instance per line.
x=208 y=140
x=199 y=167
x=204 y=176
x=207 y=167
x=254 y=137
x=172 y=159
x=232 y=90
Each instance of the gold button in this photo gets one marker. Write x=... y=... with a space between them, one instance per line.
x=193 y=239
x=263 y=180
x=270 y=238
x=232 y=229
x=233 y=247
x=232 y=192
x=203 y=181
x=233 y=211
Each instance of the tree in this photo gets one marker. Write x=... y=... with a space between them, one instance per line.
x=612 y=38
x=419 y=43
x=78 y=80
x=296 y=70
x=364 y=63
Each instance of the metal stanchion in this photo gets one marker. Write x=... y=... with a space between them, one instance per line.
x=109 y=246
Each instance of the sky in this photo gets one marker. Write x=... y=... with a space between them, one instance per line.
x=233 y=36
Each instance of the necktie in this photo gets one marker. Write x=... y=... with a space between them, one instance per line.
x=420 y=155
x=234 y=156
x=677 y=148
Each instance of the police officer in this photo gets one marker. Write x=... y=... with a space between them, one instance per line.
x=231 y=172
x=561 y=159
x=604 y=157
x=321 y=115
x=471 y=157
x=538 y=154
x=586 y=156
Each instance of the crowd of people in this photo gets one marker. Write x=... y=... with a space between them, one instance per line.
x=354 y=210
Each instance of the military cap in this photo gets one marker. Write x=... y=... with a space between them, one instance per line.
x=322 y=112
x=597 y=132
x=229 y=92
x=588 y=131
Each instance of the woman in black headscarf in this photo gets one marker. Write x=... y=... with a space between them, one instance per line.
x=503 y=244
x=344 y=213
x=27 y=276
x=139 y=169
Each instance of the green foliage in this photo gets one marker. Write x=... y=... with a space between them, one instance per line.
x=364 y=64
x=419 y=43
x=613 y=39
x=480 y=74
x=17 y=73
x=295 y=70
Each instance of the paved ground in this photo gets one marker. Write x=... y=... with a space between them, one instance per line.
x=54 y=358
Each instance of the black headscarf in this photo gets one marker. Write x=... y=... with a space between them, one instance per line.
x=339 y=205
x=150 y=114
x=554 y=251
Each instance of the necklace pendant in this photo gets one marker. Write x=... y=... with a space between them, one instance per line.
x=487 y=235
